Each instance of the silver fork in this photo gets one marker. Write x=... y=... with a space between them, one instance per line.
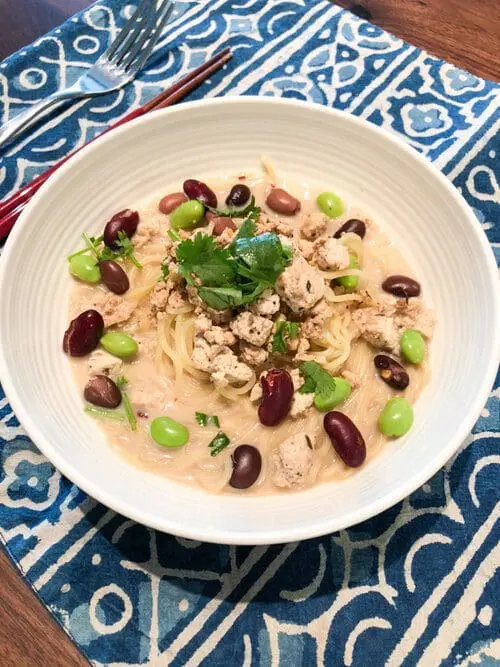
x=118 y=65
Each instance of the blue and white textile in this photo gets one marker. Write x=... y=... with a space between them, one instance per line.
x=417 y=584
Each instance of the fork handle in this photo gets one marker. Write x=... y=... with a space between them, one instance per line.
x=16 y=125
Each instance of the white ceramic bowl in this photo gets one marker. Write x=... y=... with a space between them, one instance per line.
x=369 y=167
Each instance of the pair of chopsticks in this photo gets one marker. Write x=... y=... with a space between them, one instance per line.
x=11 y=208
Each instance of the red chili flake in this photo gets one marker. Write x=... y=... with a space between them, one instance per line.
x=273 y=185
x=242 y=177
x=142 y=414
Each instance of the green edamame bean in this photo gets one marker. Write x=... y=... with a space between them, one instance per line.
x=330 y=204
x=187 y=215
x=168 y=433
x=396 y=418
x=118 y=343
x=350 y=282
x=342 y=390
x=85 y=268
x=412 y=346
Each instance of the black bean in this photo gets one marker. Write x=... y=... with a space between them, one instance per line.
x=353 y=226
x=391 y=372
x=195 y=189
x=277 y=393
x=125 y=221
x=247 y=464
x=102 y=391
x=401 y=286
x=345 y=438
x=239 y=195
x=113 y=276
x=83 y=334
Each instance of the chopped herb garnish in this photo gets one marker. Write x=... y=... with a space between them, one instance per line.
x=234 y=276
x=105 y=413
x=121 y=383
x=175 y=236
x=285 y=331
x=316 y=380
x=220 y=442
x=236 y=212
x=206 y=420
x=164 y=269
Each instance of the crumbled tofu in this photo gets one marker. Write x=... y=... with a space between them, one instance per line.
x=414 y=315
x=330 y=255
x=379 y=330
x=173 y=273
x=228 y=370
x=225 y=237
x=114 y=309
x=219 y=316
x=300 y=404
x=220 y=361
x=266 y=305
x=103 y=363
x=306 y=248
x=212 y=333
x=252 y=328
x=300 y=285
x=297 y=379
x=313 y=325
x=158 y=297
x=314 y=225
x=146 y=231
x=266 y=224
x=252 y=355
x=293 y=460
x=176 y=300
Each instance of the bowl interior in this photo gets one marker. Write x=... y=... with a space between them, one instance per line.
x=427 y=218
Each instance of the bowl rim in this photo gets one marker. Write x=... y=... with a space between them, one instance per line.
x=275 y=536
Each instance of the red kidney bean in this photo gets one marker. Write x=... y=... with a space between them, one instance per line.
x=102 y=391
x=401 y=286
x=247 y=464
x=353 y=226
x=83 y=334
x=239 y=195
x=125 y=221
x=282 y=202
x=198 y=190
x=220 y=224
x=277 y=392
x=345 y=438
x=171 y=202
x=391 y=372
x=113 y=276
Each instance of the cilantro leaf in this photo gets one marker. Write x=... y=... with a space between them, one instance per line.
x=121 y=383
x=221 y=298
x=260 y=258
x=206 y=420
x=125 y=250
x=236 y=211
x=205 y=260
x=316 y=380
x=247 y=229
x=164 y=269
x=285 y=330
x=220 y=442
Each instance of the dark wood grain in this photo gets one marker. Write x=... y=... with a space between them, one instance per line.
x=28 y=634
x=464 y=32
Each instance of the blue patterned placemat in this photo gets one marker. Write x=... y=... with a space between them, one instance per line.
x=417 y=584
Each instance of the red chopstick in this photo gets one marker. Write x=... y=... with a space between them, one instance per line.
x=11 y=208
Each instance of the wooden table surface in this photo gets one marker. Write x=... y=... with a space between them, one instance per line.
x=464 y=32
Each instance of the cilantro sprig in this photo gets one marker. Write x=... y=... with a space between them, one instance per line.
x=233 y=276
x=95 y=246
x=285 y=331
x=121 y=383
x=319 y=382
x=220 y=442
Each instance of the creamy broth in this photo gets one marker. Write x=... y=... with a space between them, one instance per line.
x=153 y=391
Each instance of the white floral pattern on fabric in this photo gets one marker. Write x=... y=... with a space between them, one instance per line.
x=417 y=584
